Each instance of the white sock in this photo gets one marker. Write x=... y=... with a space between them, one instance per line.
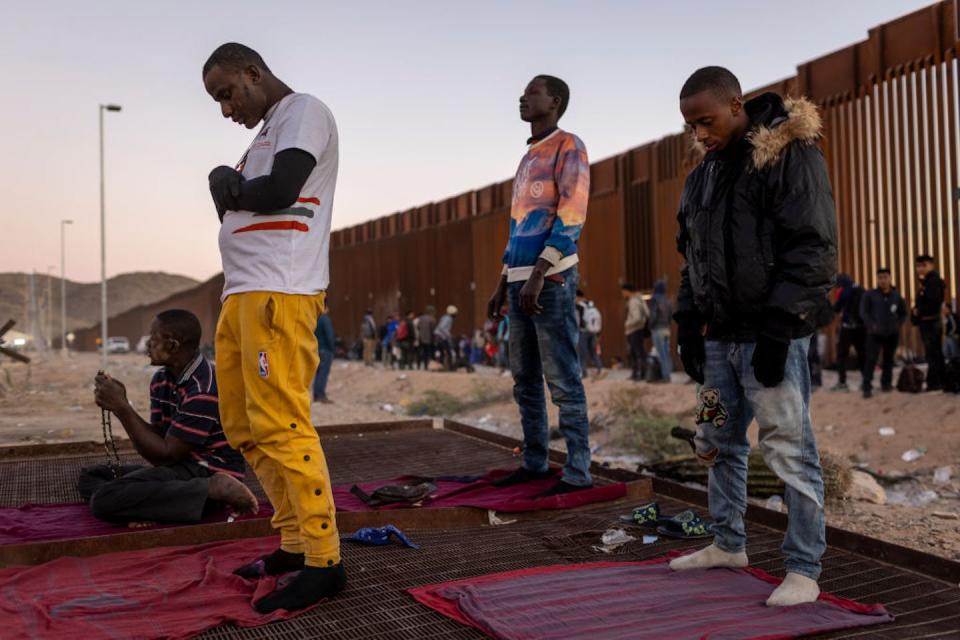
x=795 y=589
x=709 y=558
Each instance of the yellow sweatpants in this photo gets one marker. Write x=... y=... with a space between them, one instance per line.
x=266 y=359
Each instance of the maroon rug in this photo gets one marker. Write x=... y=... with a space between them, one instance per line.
x=482 y=494
x=172 y=593
x=40 y=522
x=635 y=601
x=36 y=523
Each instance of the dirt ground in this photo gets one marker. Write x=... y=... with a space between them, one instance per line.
x=51 y=401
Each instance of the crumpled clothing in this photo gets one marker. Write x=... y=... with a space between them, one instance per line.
x=381 y=536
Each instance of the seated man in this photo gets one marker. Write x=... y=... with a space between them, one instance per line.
x=193 y=469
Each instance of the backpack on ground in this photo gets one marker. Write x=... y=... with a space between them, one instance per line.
x=654 y=371
x=910 y=380
x=592 y=320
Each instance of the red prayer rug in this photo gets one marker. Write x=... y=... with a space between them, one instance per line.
x=636 y=601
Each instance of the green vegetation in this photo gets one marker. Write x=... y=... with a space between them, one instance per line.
x=640 y=429
x=435 y=403
x=441 y=403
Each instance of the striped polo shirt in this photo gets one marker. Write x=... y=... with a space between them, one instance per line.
x=187 y=408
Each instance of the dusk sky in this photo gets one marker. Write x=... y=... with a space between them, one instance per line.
x=424 y=93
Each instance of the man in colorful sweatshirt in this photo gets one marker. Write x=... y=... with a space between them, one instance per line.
x=540 y=277
x=275 y=209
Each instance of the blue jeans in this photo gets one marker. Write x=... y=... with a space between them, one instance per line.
x=661 y=342
x=545 y=346
x=728 y=401
x=323 y=372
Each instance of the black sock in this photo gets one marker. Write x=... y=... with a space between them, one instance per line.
x=561 y=488
x=309 y=587
x=520 y=476
x=274 y=564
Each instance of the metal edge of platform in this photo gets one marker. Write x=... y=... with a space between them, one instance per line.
x=880 y=550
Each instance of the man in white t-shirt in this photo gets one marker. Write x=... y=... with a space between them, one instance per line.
x=275 y=208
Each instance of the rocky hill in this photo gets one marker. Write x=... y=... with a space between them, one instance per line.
x=124 y=292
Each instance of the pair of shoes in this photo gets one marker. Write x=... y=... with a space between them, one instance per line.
x=935 y=387
x=867 y=394
x=562 y=488
x=521 y=476
x=886 y=388
x=684 y=525
x=840 y=386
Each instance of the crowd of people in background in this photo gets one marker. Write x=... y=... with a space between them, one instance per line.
x=868 y=330
x=415 y=342
x=424 y=342
x=871 y=325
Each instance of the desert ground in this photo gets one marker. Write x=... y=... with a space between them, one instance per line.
x=51 y=401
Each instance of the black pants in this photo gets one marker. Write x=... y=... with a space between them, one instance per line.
x=638 y=355
x=931 y=332
x=447 y=356
x=425 y=354
x=407 y=356
x=849 y=337
x=174 y=493
x=876 y=344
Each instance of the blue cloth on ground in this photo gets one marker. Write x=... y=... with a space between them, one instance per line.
x=381 y=536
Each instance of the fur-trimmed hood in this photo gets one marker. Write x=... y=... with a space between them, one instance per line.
x=775 y=123
x=798 y=119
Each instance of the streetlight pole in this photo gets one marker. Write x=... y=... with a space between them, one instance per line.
x=103 y=247
x=48 y=318
x=63 y=287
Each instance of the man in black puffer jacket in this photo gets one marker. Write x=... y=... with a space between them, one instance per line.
x=757 y=227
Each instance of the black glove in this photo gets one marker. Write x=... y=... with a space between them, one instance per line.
x=773 y=343
x=769 y=360
x=225 y=188
x=693 y=353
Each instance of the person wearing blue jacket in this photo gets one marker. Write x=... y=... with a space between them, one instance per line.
x=326 y=343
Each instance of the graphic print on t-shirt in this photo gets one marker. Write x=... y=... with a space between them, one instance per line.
x=286 y=251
